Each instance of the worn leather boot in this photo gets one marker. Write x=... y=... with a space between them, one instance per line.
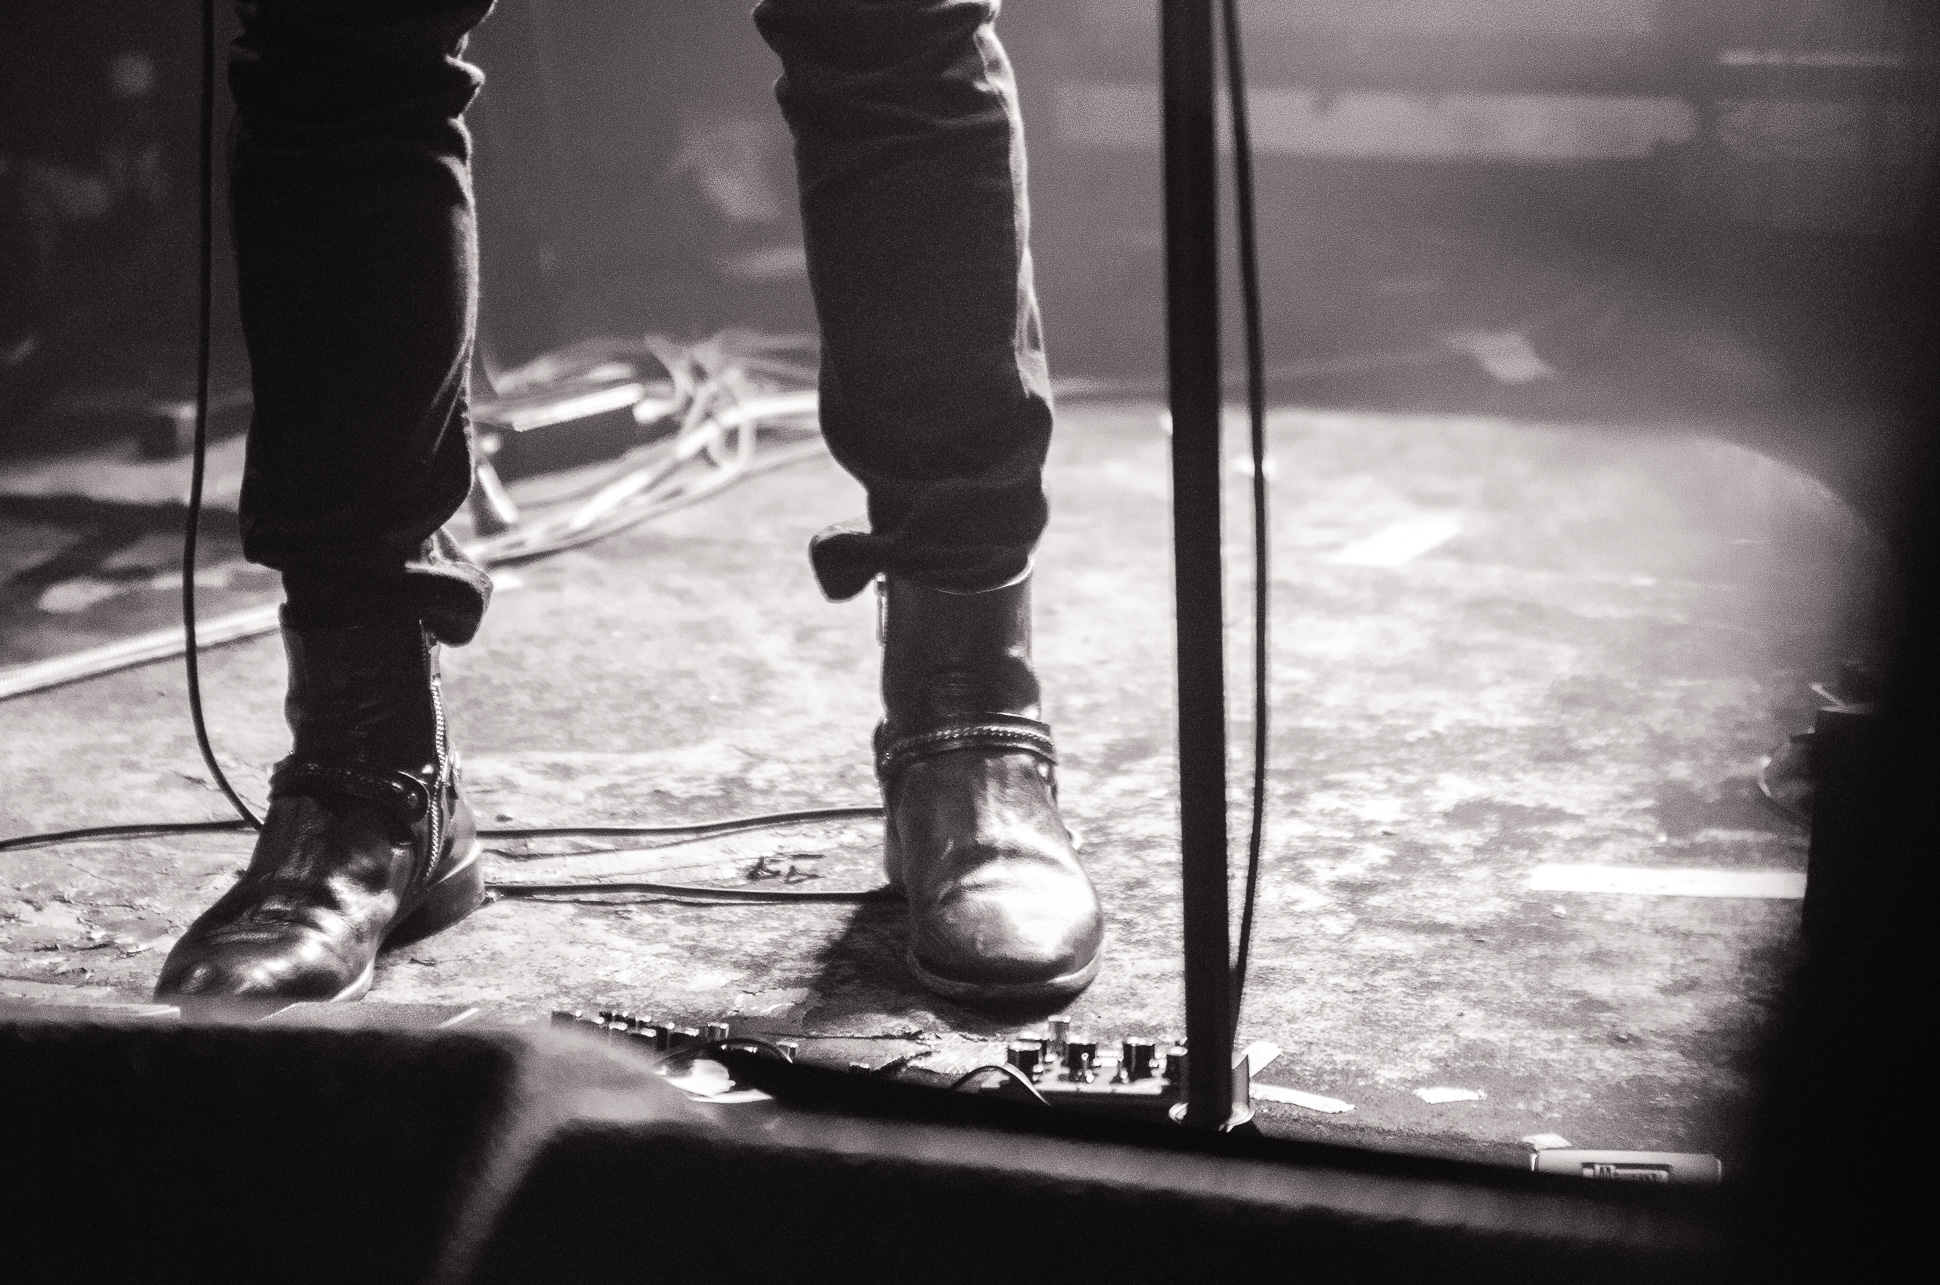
x=367 y=841
x=1000 y=910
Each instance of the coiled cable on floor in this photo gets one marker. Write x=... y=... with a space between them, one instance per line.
x=692 y=893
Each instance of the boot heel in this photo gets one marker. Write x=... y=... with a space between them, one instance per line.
x=892 y=851
x=457 y=893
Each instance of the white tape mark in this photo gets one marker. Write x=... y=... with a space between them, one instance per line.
x=1440 y=1095
x=1311 y=1101
x=72 y=596
x=1400 y=542
x=1259 y=1055
x=1505 y=354
x=1650 y=881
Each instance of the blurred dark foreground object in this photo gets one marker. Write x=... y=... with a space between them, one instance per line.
x=157 y=1149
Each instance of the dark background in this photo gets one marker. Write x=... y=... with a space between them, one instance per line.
x=635 y=176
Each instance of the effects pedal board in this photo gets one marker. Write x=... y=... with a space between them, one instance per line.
x=1136 y=1078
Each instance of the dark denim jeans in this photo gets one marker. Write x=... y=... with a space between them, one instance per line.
x=357 y=257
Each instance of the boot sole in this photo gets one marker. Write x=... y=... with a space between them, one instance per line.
x=357 y=989
x=1050 y=990
x=458 y=892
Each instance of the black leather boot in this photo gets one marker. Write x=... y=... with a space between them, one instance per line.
x=367 y=841
x=1000 y=910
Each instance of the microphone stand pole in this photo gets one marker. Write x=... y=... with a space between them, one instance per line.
x=1193 y=369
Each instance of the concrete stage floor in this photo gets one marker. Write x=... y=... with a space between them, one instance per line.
x=1499 y=648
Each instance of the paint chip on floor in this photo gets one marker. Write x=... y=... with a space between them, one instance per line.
x=1657 y=881
x=1295 y=1097
x=1400 y=542
x=1439 y=1095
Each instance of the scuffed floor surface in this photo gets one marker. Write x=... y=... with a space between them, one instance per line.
x=1498 y=648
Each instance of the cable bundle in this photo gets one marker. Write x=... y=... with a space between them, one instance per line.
x=726 y=393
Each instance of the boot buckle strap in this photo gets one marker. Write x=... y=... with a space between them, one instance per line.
x=404 y=794
x=1015 y=734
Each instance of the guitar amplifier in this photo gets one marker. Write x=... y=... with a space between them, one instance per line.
x=380 y=1143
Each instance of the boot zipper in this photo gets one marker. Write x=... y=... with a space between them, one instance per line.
x=435 y=822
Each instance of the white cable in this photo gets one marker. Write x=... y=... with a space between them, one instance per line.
x=711 y=379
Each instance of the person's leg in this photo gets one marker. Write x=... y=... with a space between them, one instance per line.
x=356 y=266
x=910 y=155
x=357 y=270
x=909 y=151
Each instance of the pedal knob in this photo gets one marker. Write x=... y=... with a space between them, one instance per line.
x=716 y=1032
x=1081 y=1060
x=1139 y=1057
x=1025 y=1055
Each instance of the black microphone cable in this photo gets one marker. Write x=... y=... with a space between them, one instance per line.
x=1249 y=280
x=191 y=527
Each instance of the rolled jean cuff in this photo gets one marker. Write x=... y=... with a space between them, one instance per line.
x=441 y=588
x=847 y=558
